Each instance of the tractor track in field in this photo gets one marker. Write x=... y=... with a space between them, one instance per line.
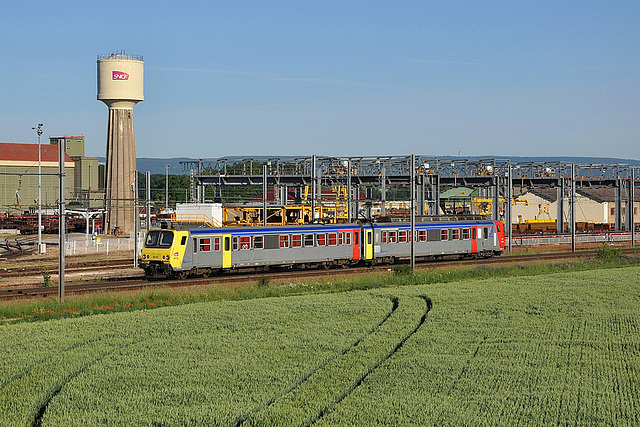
x=241 y=420
x=339 y=396
x=396 y=348
x=57 y=387
x=113 y=275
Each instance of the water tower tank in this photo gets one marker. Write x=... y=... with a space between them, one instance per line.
x=120 y=80
x=120 y=86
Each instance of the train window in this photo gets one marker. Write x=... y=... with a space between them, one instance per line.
x=227 y=244
x=332 y=239
x=402 y=236
x=422 y=235
x=486 y=232
x=385 y=236
x=296 y=240
x=205 y=245
x=159 y=239
x=455 y=234
x=321 y=239
x=465 y=234
x=444 y=234
x=308 y=240
x=348 y=238
x=393 y=237
x=257 y=242
x=340 y=238
x=369 y=238
x=195 y=245
x=356 y=238
x=152 y=239
x=235 y=243
x=498 y=226
x=433 y=235
x=272 y=241
x=473 y=233
x=284 y=240
x=245 y=243
x=183 y=241
x=216 y=244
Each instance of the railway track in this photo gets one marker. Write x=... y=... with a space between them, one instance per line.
x=107 y=283
x=71 y=267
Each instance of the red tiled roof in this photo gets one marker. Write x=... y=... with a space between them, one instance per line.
x=12 y=151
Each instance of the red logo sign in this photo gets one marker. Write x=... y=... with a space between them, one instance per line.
x=119 y=75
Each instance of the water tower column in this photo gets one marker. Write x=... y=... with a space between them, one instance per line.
x=120 y=170
x=120 y=86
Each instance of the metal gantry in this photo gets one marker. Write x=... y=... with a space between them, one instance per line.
x=426 y=174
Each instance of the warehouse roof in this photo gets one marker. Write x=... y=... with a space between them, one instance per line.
x=599 y=194
x=16 y=152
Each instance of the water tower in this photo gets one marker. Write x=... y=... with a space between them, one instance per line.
x=120 y=86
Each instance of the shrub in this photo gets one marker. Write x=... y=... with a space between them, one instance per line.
x=402 y=270
x=263 y=282
x=609 y=253
x=46 y=277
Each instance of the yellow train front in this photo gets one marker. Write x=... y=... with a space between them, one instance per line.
x=163 y=253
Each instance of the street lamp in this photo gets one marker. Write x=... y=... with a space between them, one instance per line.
x=38 y=129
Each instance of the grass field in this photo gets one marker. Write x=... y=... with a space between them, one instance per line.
x=560 y=349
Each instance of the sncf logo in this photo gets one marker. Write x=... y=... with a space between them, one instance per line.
x=119 y=75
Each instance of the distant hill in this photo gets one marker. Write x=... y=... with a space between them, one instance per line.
x=582 y=160
x=157 y=166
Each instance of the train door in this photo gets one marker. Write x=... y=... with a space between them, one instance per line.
x=492 y=231
x=474 y=239
x=194 y=256
x=369 y=243
x=226 y=251
x=356 y=245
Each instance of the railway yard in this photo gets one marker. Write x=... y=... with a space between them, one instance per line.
x=23 y=275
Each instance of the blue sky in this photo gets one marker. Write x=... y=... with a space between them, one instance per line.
x=341 y=78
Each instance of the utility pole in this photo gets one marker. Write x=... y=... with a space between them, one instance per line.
x=264 y=194
x=136 y=219
x=573 y=207
x=148 y=203
x=413 y=213
x=61 y=221
x=38 y=129
x=166 y=189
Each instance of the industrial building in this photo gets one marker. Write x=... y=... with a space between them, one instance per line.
x=88 y=177
x=19 y=176
x=595 y=207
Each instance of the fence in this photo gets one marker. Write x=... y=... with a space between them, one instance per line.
x=102 y=246
x=566 y=239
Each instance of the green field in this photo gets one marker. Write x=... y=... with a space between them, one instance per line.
x=561 y=349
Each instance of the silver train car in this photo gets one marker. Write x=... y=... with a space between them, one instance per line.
x=179 y=252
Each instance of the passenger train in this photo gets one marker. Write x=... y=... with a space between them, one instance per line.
x=180 y=250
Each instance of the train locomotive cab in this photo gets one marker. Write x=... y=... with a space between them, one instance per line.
x=162 y=253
